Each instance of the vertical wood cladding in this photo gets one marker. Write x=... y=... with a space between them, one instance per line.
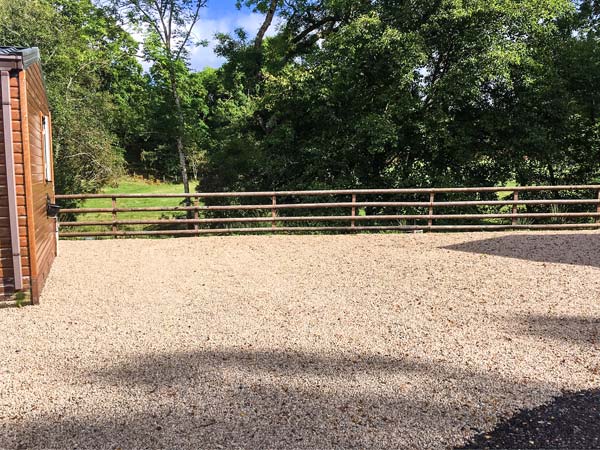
x=37 y=235
x=6 y=263
x=43 y=227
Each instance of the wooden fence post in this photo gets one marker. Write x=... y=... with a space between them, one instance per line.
x=431 y=200
x=273 y=211
x=598 y=207
x=515 y=207
x=353 y=222
x=114 y=214
x=196 y=216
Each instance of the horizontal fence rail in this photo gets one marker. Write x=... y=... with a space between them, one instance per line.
x=349 y=210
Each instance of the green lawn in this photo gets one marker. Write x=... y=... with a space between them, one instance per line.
x=502 y=194
x=132 y=186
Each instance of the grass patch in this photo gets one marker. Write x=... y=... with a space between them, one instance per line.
x=132 y=186
x=503 y=194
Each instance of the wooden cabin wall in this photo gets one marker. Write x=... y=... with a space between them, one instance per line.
x=44 y=228
x=6 y=264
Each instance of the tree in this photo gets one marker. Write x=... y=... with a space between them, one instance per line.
x=391 y=93
x=269 y=8
x=167 y=26
x=152 y=154
x=89 y=63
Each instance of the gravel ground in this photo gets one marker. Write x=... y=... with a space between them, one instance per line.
x=357 y=341
x=570 y=421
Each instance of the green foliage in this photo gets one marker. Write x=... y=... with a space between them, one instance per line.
x=20 y=299
x=156 y=154
x=346 y=93
x=394 y=93
x=167 y=28
x=89 y=70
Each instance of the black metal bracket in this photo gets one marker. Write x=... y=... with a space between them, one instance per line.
x=52 y=209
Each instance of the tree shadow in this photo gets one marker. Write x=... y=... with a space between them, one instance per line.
x=577 y=329
x=570 y=421
x=242 y=398
x=576 y=249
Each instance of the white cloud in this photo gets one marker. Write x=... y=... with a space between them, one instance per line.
x=251 y=22
x=206 y=29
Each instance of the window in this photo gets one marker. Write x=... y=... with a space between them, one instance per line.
x=47 y=149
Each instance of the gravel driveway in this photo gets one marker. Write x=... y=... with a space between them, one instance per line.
x=366 y=341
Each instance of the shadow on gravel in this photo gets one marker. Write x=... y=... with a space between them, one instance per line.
x=576 y=249
x=575 y=329
x=571 y=421
x=243 y=398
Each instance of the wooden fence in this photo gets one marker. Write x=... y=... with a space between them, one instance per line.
x=435 y=209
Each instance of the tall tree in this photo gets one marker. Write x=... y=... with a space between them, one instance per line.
x=269 y=8
x=396 y=93
x=168 y=31
x=89 y=67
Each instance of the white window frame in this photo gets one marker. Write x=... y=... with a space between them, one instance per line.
x=46 y=148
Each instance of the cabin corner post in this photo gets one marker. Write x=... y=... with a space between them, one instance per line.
x=10 y=180
x=56 y=224
x=31 y=244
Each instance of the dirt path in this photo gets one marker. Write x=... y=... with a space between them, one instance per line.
x=366 y=341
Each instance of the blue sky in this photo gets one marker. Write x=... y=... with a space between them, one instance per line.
x=221 y=16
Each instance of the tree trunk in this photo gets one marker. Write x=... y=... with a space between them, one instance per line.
x=183 y=164
x=179 y=138
x=179 y=143
x=266 y=24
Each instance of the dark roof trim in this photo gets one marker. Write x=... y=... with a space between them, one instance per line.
x=18 y=58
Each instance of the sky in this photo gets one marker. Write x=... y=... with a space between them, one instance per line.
x=221 y=16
